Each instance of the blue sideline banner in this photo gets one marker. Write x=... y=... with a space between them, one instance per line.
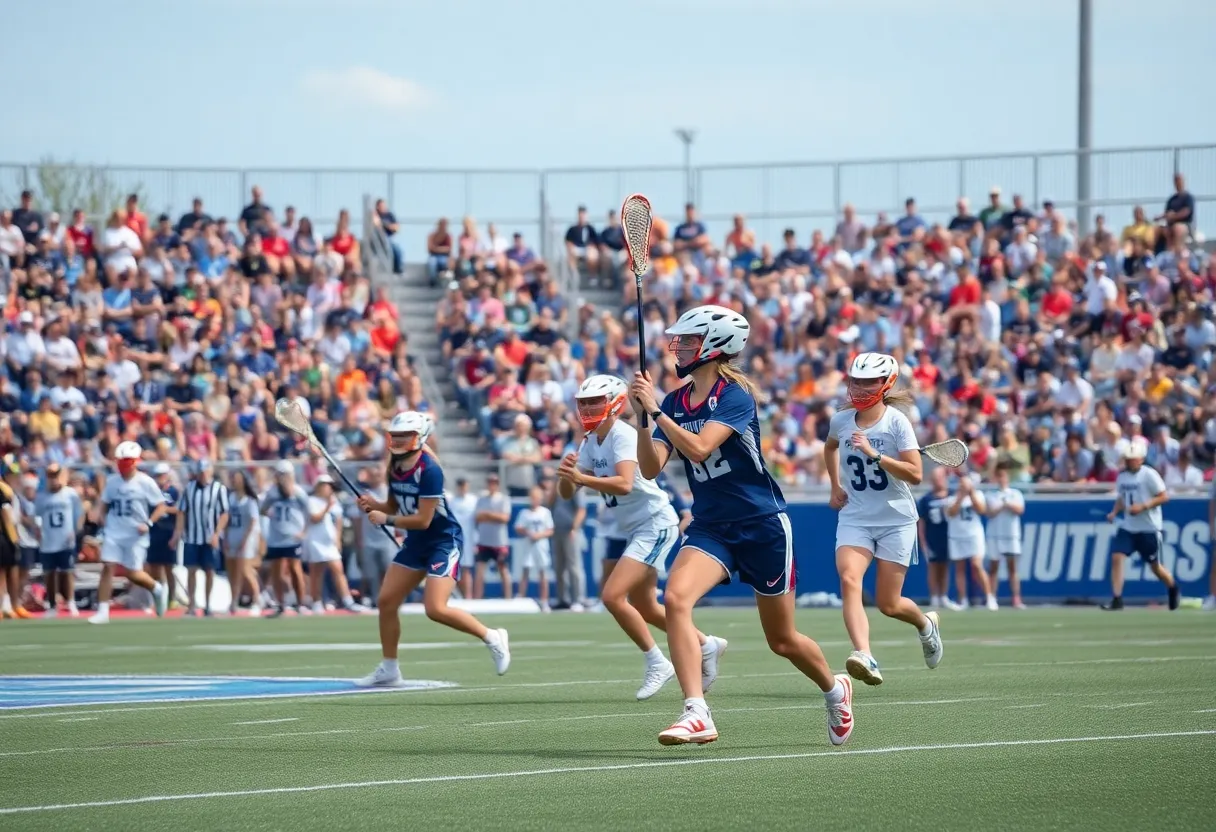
x=1065 y=552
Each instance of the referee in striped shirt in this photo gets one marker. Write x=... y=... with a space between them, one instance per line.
x=201 y=521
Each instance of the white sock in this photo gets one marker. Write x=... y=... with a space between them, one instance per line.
x=389 y=664
x=696 y=703
x=158 y=588
x=836 y=695
x=991 y=598
x=936 y=601
x=653 y=656
x=6 y=604
x=348 y=600
x=710 y=646
x=928 y=630
x=491 y=637
x=103 y=608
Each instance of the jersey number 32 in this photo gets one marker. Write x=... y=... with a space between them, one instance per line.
x=713 y=467
x=874 y=478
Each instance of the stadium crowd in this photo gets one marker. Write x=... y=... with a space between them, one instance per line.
x=1034 y=343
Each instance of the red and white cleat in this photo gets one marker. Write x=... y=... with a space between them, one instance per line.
x=840 y=714
x=694 y=726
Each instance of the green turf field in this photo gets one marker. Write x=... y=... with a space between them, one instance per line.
x=1049 y=719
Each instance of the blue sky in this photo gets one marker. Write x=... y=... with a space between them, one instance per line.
x=483 y=83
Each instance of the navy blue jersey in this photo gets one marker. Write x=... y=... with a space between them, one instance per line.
x=677 y=499
x=164 y=527
x=425 y=481
x=733 y=484
x=933 y=511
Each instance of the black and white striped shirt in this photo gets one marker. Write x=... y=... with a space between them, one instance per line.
x=201 y=506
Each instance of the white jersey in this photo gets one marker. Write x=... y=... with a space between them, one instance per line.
x=1139 y=487
x=464 y=509
x=966 y=525
x=646 y=505
x=875 y=497
x=129 y=505
x=323 y=535
x=530 y=521
x=1004 y=524
x=59 y=514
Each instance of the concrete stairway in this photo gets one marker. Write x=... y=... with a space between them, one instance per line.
x=458 y=446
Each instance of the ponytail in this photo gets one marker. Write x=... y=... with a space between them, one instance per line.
x=729 y=371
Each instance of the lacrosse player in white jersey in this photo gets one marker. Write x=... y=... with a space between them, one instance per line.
x=1004 y=507
x=607 y=462
x=1141 y=493
x=965 y=539
x=873 y=458
x=130 y=504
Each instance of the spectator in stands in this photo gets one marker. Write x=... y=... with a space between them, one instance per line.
x=492 y=515
x=439 y=250
x=386 y=221
x=252 y=215
x=582 y=244
x=520 y=453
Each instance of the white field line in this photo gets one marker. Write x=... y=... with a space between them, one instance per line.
x=267 y=721
x=34 y=713
x=1019 y=707
x=549 y=772
x=1118 y=706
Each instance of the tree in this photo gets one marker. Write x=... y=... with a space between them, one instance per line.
x=66 y=186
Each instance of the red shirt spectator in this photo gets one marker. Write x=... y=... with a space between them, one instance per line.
x=966 y=293
x=927 y=375
x=1057 y=303
x=277 y=246
x=81 y=234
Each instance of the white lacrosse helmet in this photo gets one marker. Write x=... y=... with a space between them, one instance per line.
x=127 y=456
x=877 y=373
x=722 y=332
x=591 y=411
x=1137 y=448
x=405 y=423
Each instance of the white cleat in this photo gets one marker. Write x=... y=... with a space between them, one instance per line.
x=932 y=643
x=500 y=651
x=100 y=618
x=710 y=659
x=863 y=667
x=160 y=600
x=657 y=675
x=955 y=606
x=73 y=611
x=318 y=608
x=692 y=727
x=1209 y=603
x=991 y=604
x=381 y=677
x=51 y=612
x=840 y=715
x=255 y=611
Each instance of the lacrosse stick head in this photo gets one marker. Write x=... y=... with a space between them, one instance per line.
x=290 y=414
x=636 y=221
x=952 y=453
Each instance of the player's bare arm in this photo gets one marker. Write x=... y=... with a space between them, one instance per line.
x=618 y=485
x=367 y=504
x=908 y=467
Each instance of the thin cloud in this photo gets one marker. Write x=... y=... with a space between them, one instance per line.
x=364 y=86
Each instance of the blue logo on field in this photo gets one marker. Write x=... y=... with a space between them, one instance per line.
x=66 y=691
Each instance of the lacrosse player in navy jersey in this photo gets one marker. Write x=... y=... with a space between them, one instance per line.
x=738 y=524
x=416 y=503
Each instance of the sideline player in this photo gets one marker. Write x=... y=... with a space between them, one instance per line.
x=534 y=526
x=241 y=540
x=10 y=520
x=933 y=539
x=162 y=557
x=880 y=462
x=1005 y=507
x=286 y=506
x=130 y=504
x=60 y=514
x=966 y=533
x=432 y=547
x=739 y=523
x=1141 y=493
x=607 y=463
x=322 y=547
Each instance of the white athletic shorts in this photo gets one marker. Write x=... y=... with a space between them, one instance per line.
x=998 y=547
x=653 y=546
x=897 y=544
x=320 y=553
x=528 y=555
x=965 y=548
x=128 y=555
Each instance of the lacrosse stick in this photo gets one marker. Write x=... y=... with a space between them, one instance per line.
x=636 y=220
x=291 y=416
x=952 y=453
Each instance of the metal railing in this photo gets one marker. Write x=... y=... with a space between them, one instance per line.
x=802 y=195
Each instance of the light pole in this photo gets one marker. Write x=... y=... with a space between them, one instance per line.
x=1085 y=39
x=686 y=135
